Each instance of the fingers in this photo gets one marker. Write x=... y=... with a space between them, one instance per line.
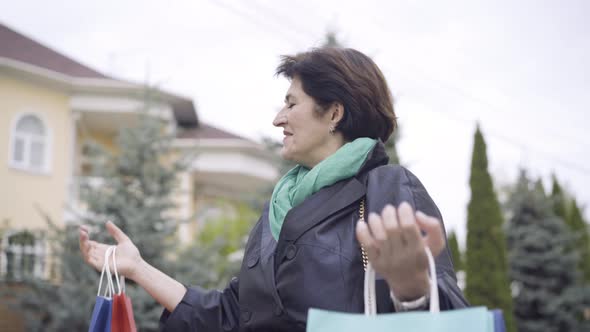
x=434 y=239
x=410 y=231
x=83 y=238
x=366 y=239
x=116 y=232
x=92 y=251
x=399 y=231
x=377 y=227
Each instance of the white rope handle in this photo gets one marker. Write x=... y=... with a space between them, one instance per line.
x=105 y=268
x=115 y=268
x=370 y=305
x=369 y=294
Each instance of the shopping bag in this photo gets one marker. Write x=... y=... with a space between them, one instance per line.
x=499 y=324
x=122 y=320
x=101 y=314
x=477 y=319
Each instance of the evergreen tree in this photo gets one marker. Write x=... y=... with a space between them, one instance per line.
x=539 y=186
x=570 y=213
x=541 y=266
x=455 y=252
x=133 y=190
x=331 y=40
x=579 y=228
x=391 y=147
x=558 y=199
x=137 y=194
x=487 y=280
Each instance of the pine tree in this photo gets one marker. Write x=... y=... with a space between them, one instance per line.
x=487 y=280
x=133 y=190
x=558 y=199
x=137 y=194
x=570 y=213
x=579 y=229
x=541 y=266
x=455 y=252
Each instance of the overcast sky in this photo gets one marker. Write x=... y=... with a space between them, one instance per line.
x=520 y=68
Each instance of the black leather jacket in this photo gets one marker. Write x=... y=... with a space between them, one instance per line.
x=316 y=261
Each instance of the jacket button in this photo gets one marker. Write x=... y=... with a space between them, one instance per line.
x=291 y=252
x=278 y=311
x=252 y=261
x=246 y=315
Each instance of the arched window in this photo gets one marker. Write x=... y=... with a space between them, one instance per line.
x=22 y=256
x=30 y=144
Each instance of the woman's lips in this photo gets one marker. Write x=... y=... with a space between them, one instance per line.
x=287 y=134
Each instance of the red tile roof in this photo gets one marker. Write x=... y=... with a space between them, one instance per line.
x=16 y=46
x=21 y=48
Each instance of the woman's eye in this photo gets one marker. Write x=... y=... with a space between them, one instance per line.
x=290 y=106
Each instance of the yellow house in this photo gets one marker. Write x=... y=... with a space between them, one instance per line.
x=50 y=104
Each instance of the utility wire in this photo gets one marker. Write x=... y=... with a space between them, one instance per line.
x=264 y=24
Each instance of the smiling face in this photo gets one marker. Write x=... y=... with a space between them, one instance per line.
x=307 y=138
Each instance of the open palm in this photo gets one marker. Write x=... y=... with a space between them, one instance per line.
x=127 y=257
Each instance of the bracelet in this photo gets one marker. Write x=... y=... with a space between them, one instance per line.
x=419 y=303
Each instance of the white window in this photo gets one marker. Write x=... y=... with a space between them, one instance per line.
x=30 y=144
x=22 y=256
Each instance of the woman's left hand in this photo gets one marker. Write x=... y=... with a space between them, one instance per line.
x=395 y=247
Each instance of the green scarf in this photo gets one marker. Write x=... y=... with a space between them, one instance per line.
x=301 y=182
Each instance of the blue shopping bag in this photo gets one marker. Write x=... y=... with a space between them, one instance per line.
x=101 y=315
x=102 y=312
x=499 y=324
x=477 y=319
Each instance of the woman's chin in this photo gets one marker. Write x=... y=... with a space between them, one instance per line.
x=286 y=155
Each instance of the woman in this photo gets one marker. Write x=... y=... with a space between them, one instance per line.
x=311 y=244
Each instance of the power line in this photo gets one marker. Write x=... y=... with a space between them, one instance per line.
x=269 y=28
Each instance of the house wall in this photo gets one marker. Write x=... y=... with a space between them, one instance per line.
x=23 y=193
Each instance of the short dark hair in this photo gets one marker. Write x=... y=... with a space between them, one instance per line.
x=344 y=75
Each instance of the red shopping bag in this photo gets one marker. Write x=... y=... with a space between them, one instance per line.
x=122 y=313
x=122 y=319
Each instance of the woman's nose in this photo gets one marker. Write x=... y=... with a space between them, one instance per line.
x=280 y=119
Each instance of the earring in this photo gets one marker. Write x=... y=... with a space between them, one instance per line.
x=332 y=130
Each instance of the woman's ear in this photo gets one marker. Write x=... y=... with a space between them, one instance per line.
x=336 y=112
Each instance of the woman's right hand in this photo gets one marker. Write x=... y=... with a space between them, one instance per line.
x=128 y=257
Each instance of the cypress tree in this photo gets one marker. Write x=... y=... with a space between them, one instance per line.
x=455 y=252
x=487 y=280
x=541 y=266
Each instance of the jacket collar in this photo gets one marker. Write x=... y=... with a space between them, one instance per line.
x=377 y=157
x=330 y=200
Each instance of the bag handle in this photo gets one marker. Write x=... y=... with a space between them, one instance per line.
x=369 y=285
x=105 y=268
x=369 y=293
x=121 y=289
